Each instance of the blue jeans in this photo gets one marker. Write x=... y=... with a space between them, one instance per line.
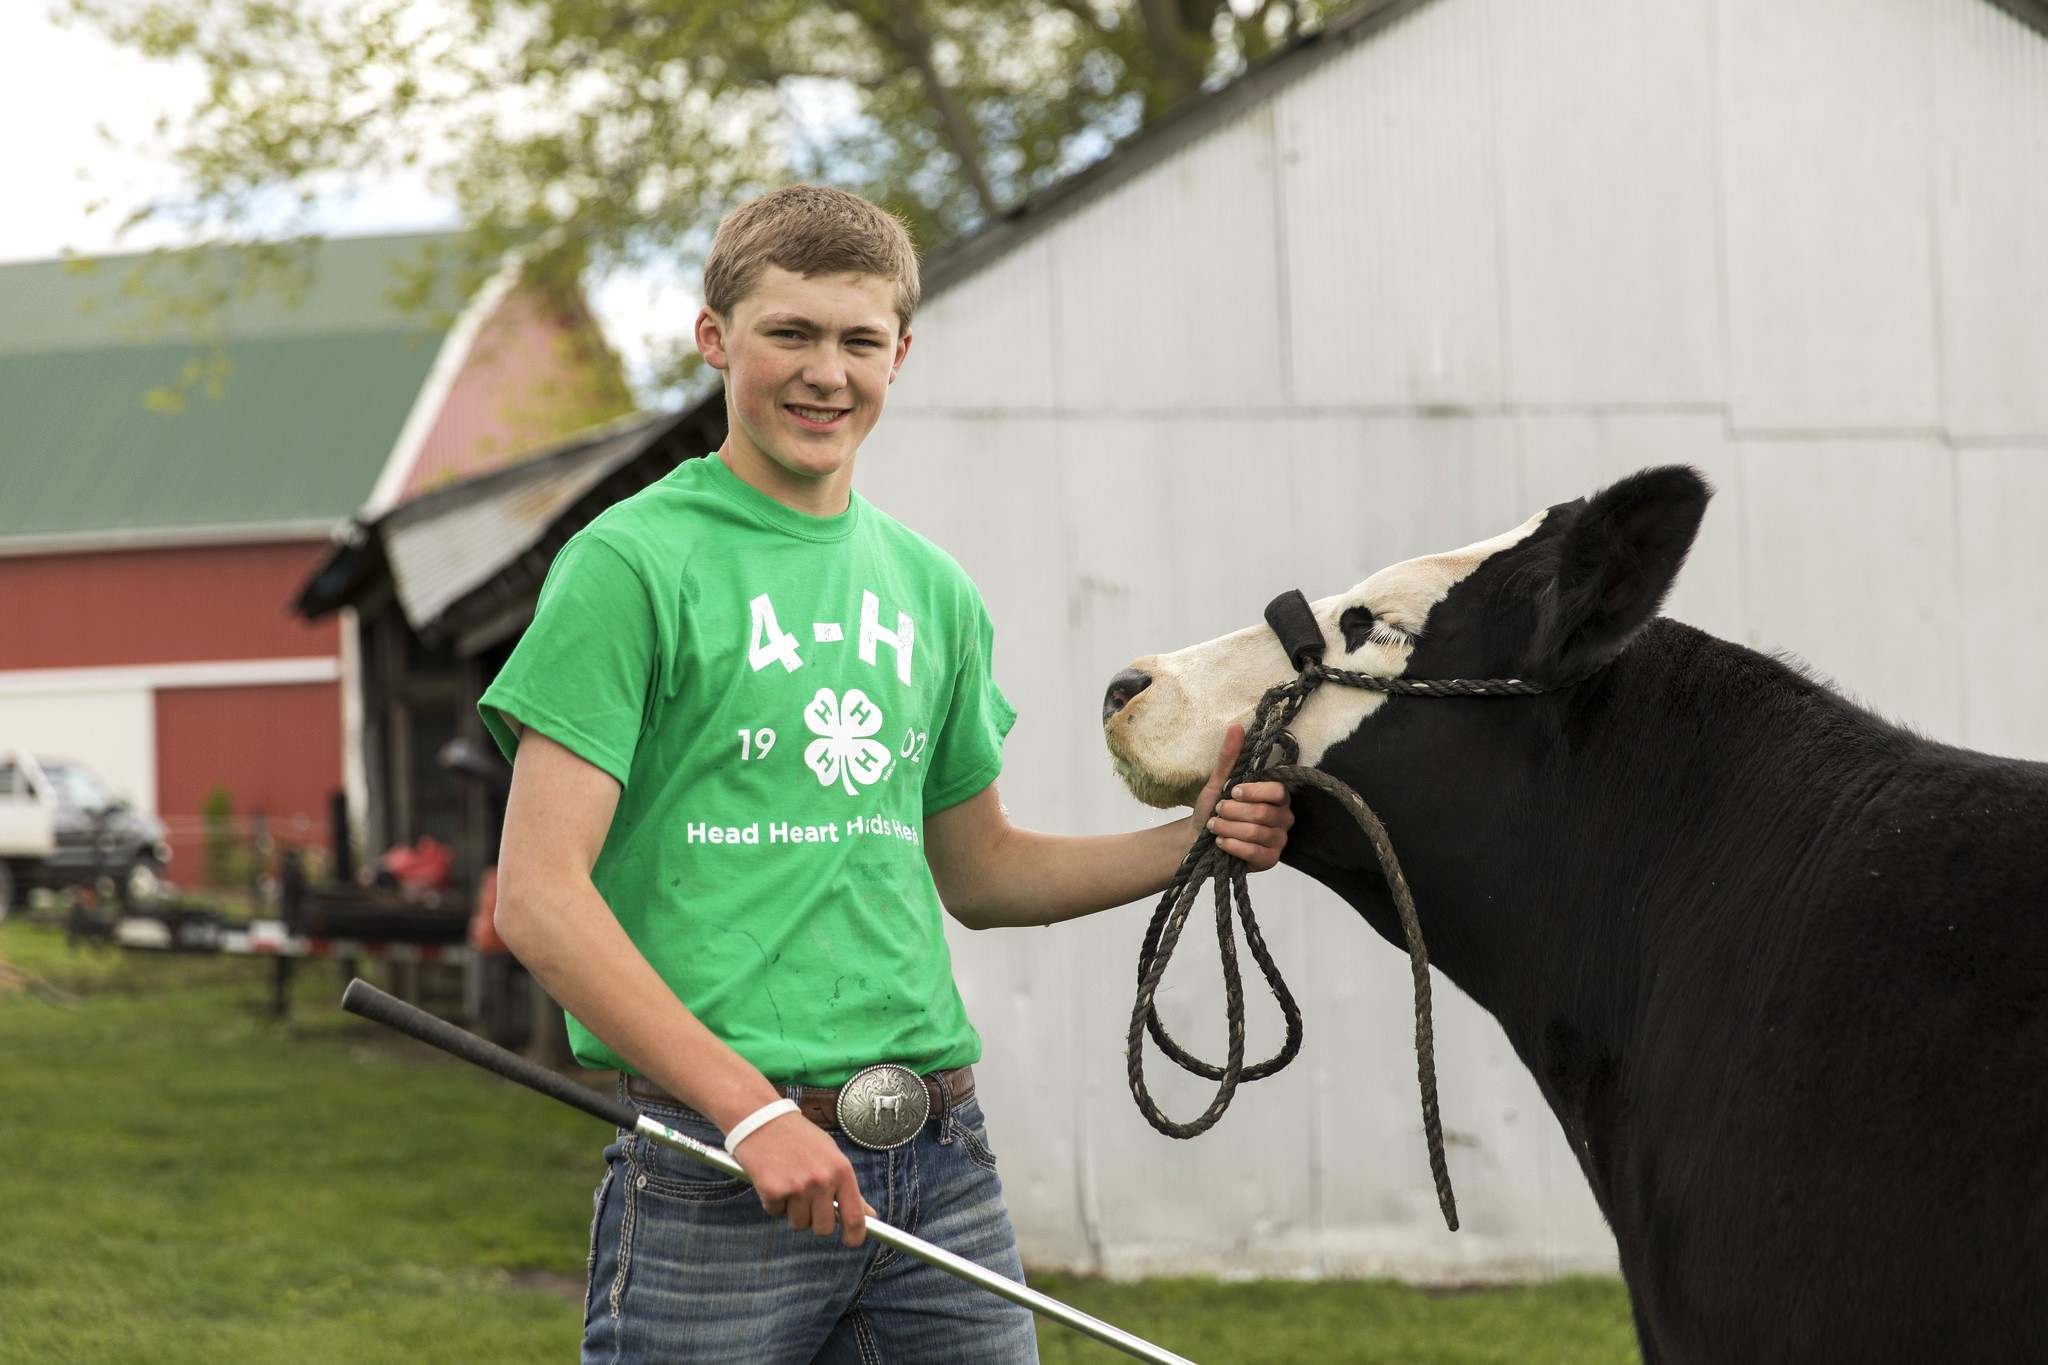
x=685 y=1265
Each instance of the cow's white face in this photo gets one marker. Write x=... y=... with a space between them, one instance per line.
x=1164 y=732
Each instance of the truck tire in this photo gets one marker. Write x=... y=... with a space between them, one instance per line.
x=137 y=884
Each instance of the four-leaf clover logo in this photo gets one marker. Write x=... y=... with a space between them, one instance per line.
x=845 y=755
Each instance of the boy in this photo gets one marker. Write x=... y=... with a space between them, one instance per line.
x=755 y=740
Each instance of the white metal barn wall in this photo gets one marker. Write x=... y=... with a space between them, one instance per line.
x=1480 y=262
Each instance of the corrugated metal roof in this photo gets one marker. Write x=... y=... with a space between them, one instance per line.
x=315 y=395
x=466 y=562
x=93 y=301
x=441 y=549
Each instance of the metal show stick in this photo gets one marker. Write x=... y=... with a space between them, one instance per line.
x=366 y=1000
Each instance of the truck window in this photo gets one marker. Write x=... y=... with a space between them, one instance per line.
x=76 y=787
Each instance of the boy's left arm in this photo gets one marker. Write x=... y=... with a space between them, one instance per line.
x=991 y=873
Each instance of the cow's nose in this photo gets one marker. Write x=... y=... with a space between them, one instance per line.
x=1122 y=688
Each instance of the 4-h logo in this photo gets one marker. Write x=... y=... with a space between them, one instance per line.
x=845 y=755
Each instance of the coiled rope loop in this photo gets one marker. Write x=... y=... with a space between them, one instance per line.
x=1266 y=740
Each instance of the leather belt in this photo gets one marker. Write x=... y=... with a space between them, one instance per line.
x=820 y=1103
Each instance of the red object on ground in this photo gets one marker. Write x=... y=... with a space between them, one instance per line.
x=424 y=866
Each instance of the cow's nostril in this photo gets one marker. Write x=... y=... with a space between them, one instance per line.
x=1122 y=688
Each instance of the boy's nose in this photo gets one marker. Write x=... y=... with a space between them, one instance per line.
x=825 y=373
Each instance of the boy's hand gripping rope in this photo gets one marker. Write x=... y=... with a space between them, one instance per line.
x=1266 y=738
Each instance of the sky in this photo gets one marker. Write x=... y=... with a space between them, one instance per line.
x=60 y=84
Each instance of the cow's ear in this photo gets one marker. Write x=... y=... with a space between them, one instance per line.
x=1616 y=561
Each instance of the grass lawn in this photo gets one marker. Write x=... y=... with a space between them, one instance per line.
x=183 y=1180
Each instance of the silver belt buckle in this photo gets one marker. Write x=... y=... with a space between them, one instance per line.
x=884 y=1106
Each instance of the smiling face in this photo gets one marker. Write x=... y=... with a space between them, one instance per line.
x=1163 y=734
x=808 y=361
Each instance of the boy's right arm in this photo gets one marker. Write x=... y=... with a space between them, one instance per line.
x=553 y=918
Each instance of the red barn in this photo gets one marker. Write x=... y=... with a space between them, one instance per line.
x=163 y=498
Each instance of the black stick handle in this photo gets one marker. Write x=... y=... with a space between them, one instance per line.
x=364 y=999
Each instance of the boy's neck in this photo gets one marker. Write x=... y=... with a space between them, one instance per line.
x=824 y=495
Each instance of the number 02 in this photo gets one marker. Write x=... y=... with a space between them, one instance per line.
x=756 y=744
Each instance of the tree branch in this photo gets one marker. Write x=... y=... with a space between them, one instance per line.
x=904 y=30
x=1087 y=14
x=1166 y=35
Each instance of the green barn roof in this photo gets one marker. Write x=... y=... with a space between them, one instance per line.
x=103 y=439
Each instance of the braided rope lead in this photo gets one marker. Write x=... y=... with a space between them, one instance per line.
x=1418 y=966
x=1206 y=862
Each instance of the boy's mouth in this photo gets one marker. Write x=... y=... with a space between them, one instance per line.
x=817 y=419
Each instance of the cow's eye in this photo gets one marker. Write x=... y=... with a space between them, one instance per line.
x=1360 y=627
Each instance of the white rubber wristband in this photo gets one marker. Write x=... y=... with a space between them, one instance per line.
x=747 y=1126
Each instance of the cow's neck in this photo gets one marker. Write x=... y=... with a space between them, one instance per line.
x=1677 y=771
x=1694 y=776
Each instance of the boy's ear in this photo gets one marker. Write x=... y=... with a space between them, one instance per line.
x=1617 y=560
x=711 y=338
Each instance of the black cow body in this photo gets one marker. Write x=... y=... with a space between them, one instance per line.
x=1780 y=967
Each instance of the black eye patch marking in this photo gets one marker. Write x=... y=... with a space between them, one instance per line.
x=1360 y=627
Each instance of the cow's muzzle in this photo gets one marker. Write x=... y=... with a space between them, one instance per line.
x=1122 y=688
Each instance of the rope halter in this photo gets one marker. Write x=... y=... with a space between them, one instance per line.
x=1267 y=738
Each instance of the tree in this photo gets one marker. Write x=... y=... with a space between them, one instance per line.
x=224 y=862
x=613 y=133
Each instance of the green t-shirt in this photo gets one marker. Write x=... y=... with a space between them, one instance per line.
x=783 y=699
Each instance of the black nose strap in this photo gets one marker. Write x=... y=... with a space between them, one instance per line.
x=1291 y=620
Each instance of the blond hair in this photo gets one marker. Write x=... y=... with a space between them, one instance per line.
x=809 y=230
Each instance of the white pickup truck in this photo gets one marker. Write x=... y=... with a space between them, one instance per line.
x=60 y=826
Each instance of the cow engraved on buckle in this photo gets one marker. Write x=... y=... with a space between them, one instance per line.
x=883 y=1106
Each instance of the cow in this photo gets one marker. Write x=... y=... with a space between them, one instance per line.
x=1779 y=966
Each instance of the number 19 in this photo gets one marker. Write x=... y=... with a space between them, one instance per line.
x=756 y=744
